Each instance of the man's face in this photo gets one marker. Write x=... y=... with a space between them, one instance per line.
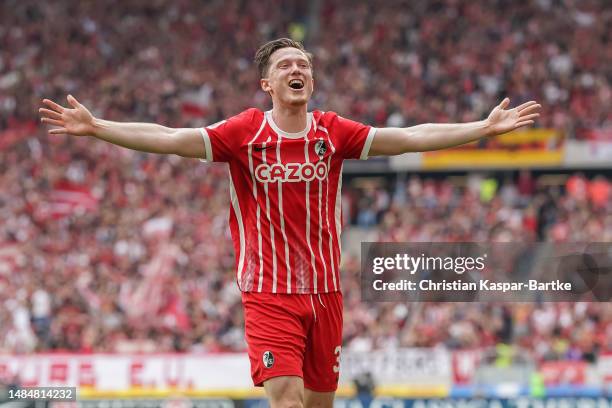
x=289 y=79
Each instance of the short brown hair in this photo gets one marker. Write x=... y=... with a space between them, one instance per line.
x=262 y=56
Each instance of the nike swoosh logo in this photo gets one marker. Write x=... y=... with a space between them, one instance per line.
x=261 y=148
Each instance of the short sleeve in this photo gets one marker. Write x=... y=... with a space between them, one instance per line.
x=222 y=140
x=353 y=138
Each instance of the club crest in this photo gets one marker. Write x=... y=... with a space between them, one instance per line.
x=320 y=148
x=268 y=359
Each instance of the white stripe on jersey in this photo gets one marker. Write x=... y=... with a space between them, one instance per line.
x=208 y=155
x=236 y=207
x=274 y=271
x=331 y=254
x=282 y=219
x=320 y=235
x=250 y=150
x=331 y=249
x=312 y=255
x=366 y=146
x=338 y=211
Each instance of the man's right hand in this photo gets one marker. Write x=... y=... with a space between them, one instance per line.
x=77 y=121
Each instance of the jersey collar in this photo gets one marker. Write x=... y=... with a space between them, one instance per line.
x=298 y=135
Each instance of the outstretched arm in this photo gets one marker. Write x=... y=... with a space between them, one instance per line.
x=432 y=136
x=145 y=137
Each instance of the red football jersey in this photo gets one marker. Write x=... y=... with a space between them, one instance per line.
x=285 y=214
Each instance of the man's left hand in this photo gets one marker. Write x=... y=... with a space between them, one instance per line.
x=502 y=120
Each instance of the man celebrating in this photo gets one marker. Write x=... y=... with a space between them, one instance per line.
x=285 y=215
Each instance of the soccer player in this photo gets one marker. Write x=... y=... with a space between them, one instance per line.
x=285 y=169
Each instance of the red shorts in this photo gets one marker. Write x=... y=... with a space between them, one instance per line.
x=296 y=335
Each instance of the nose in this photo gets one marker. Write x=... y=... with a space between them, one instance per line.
x=295 y=68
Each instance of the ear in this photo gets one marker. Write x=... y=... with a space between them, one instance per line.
x=265 y=84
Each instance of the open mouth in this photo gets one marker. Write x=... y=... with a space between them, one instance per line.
x=296 y=84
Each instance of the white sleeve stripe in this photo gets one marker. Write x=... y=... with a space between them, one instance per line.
x=207 y=147
x=368 y=142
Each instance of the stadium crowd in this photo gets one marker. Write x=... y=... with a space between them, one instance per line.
x=394 y=63
x=142 y=269
x=105 y=249
x=549 y=208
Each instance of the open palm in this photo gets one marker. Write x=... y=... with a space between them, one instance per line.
x=77 y=121
x=502 y=120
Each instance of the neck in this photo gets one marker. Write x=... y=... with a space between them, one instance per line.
x=290 y=119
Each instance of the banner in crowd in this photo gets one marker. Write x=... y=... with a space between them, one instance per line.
x=593 y=148
x=604 y=367
x=66 y=199
x=124 y=373
x=465 y=363
x=16 y=133
x=222 y=374
x=563 y=372
x=408 y=372
x=414 y=366
x=603 y=135
x=527 y=148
